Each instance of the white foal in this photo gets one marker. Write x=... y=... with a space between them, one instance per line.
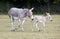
x=41 y=19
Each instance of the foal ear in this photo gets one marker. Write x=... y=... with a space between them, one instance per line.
x=31 y=9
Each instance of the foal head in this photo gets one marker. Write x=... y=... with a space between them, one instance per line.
x=48 y=16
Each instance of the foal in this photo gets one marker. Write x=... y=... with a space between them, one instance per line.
x=41 y=19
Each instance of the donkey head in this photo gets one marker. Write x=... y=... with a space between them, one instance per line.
x=30 y=13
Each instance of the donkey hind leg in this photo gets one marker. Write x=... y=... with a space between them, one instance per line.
x=18 y=23
x=23 y=24
x=37 y=26
x=12 y=24
x=44 y=26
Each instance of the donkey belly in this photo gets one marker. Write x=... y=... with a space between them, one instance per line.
x=15 y=17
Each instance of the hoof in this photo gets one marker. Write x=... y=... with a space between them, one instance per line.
x=19 y=26
x=13 y=30
x=16 y=28
x=38 y=30
x=22 y=30
x=32 y=30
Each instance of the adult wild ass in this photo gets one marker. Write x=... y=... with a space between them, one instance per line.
x=41 y=19
x=20 y=14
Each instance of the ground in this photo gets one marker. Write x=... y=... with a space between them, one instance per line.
x=52 y=29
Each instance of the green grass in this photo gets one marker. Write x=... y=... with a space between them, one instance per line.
x=52 y=29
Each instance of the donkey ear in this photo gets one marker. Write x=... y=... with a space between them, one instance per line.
x=44 y=14
x=31 y=9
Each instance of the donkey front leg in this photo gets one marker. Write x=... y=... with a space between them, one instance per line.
x=23 y=25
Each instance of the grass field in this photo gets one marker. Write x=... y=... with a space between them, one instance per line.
x=52 y=29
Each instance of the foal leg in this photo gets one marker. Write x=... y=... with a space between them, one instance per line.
x=23 y=24
x=44 y=26
x=33 y=26
x=37 y=26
